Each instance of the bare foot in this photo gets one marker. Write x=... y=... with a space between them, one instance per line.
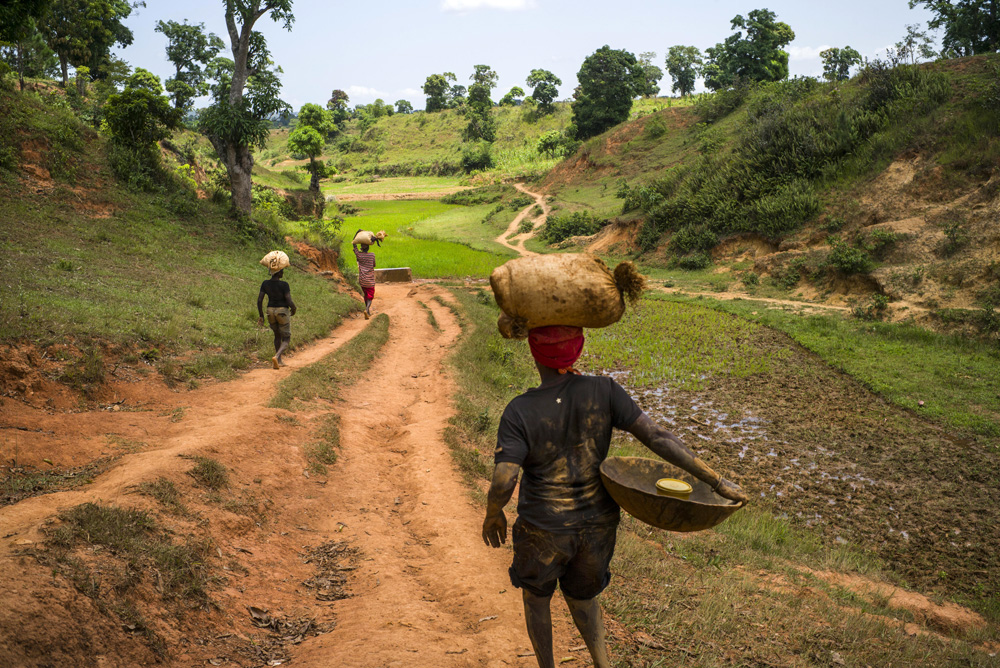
x=274 y=362
x=367 y=315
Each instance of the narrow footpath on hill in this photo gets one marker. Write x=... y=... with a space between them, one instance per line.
x=422 y=591
x=514 y=240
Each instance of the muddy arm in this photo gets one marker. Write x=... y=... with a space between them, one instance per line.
x=668 y=446
x=501 y=489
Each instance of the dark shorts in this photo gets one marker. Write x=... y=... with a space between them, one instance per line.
x=577 y=561
x=369 y=293
x=280 y=320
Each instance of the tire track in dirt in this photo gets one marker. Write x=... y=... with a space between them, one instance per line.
x=516 y=243
x=428 y=592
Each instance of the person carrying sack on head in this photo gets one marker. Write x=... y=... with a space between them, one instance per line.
x=559 y=433
x=366 y=273
x=280 y=309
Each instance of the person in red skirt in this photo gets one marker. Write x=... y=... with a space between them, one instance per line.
x=366 y=274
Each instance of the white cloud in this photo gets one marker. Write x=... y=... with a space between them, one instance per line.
x=363 y=92
x=806 y=52
x=411 y=91
x=469 y=5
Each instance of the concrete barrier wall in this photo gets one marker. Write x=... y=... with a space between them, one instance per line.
x=393 y=275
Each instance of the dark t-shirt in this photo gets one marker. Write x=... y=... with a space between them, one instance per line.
x=560 y=435
x=275 y=291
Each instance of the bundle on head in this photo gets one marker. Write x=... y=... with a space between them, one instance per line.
x=574 y=289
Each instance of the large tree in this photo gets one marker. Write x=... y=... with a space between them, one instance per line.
x=136 y=119
x=236 y=123
x=82 y=32
x=18 y=27
x=544 y=88
x=512 y=97
x=837 y=63
x=338 y=107
x=308 y=138
x=609 y=80
x=752 y=53
x=684 y=67
x=190 y=50
x=481 y=125
x=970 y=26
x=437 y=88
x=652 y=74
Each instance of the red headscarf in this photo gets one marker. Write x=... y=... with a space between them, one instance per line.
x=556 y=346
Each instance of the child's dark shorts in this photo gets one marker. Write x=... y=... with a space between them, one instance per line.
x=578 y=561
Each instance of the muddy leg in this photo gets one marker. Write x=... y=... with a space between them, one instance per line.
x=281 y=350
x=538 y=617
x=590 y=623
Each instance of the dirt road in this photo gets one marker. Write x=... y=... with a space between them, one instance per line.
x=425 y=592
x=510 y=237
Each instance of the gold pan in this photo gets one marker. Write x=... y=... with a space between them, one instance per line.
x=631 y=481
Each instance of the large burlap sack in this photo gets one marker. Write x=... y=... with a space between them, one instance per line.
x=275 y=261
x=369 y=238
x=574 y=289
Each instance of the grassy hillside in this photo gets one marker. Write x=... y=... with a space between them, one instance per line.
x=422 y=144
x=103 y=283
x=882 y=188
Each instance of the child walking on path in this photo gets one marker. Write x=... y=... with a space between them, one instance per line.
x=366 y=274
x=280 y=309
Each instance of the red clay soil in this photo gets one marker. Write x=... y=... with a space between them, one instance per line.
x=425 y=592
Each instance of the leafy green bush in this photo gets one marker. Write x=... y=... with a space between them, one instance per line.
x=655 y=128
x=476 y=156
x=874 y=309
x=135 y=120
x=694 y=261
x=792 y=137
x=692 y=238
x=581 y=223
x=848 y=259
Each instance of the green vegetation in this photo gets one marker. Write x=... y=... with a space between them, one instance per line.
x=788 y=139
x=145 y=276
x=390 y=185
x=609 y=79
x=954 y=382
x=579 y=223
x=697 y=586
x=209 y=473
x=323 y=451
x=430 y=316
x=21 y=482
x=340 y=369
x=134 y=537
x=427 y=258
x=702 y=344
x=164 y=491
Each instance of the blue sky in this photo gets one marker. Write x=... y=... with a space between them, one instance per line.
x=386 y=48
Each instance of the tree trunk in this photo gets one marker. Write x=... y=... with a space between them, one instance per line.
x=65 y=66
x=239 y=164
x=239 y=161
x=20 y=64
